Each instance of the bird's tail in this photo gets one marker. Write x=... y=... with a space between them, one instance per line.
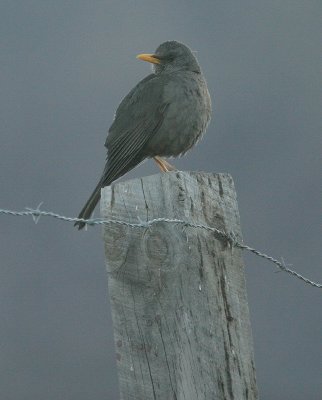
x=109 y=175
x=88 y=208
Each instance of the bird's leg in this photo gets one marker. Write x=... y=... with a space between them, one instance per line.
x=169 y=166
x=164 y=165
x=160 y=164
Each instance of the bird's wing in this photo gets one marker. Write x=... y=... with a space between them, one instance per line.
x=137 y=119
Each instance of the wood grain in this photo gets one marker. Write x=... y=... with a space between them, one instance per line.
x=178 y=295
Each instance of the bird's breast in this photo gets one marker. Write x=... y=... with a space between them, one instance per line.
x=186 y=118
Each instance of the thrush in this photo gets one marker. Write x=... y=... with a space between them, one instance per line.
x=164 y=115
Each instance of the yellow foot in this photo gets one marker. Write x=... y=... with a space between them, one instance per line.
x=164 y=165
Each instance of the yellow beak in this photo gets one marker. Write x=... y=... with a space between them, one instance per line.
x=149 y=58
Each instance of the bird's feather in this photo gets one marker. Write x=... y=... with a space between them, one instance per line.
x=137 y=120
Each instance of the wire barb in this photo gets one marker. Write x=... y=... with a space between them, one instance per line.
x=230 y=238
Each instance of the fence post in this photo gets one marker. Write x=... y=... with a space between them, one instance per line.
x=178 y=296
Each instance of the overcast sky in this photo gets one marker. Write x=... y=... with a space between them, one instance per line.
x=65 y=66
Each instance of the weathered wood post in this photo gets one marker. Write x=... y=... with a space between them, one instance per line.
x=178 y=296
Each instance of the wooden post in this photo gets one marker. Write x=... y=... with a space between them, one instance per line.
x=178 y=296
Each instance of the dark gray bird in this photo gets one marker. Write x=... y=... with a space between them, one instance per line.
x=164 y=115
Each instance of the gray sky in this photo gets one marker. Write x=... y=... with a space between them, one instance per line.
x=64 y=68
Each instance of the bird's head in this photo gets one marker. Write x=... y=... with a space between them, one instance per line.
x=172 y=56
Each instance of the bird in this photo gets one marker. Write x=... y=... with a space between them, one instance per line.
x=164 y=115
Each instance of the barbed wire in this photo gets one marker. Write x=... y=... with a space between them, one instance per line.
x=230 y=238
